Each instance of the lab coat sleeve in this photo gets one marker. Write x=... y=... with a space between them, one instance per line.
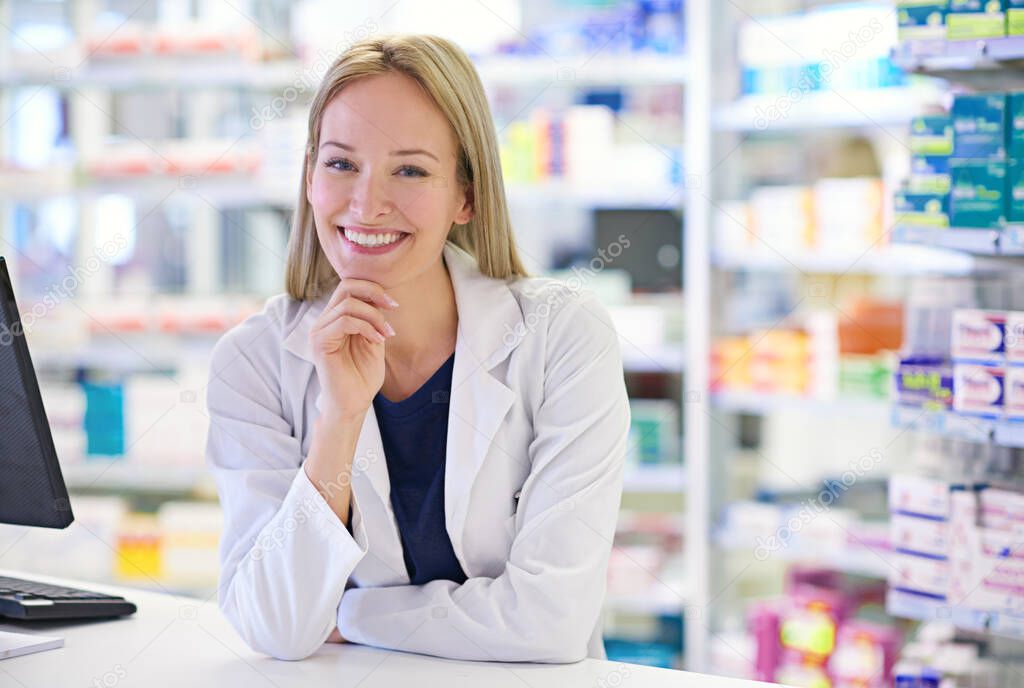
x=285 y=557
x=546 y=603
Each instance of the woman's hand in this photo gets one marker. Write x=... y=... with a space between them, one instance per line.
x=348 y=347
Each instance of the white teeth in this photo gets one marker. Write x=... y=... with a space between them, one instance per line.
x=372 y=239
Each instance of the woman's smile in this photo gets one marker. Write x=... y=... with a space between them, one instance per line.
x=371 y=241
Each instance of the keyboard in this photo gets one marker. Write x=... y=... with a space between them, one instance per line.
x=31 y=600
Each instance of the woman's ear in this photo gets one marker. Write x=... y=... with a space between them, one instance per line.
x=466 y=212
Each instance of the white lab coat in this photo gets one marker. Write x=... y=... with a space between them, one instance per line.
x=537 y=429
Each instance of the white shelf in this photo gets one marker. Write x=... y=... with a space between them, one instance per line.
x=658 y=197
x=860 y=563
x=1005 y=433
x=897 y=259
x=180 y=72
x=655 y=478
x=869 y=109
x=666 y=358
x=658 y=601
x=1005 y=241
x=922 y=608
x=627 y=70
x=125 y=475
x=766 y=404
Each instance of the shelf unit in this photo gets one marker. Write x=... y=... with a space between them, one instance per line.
x=878 y=117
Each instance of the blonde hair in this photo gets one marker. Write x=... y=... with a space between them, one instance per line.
x=447 y=75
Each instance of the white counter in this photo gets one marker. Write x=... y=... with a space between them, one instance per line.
x=182 y=642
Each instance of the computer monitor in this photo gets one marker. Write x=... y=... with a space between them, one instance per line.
x=32 y=489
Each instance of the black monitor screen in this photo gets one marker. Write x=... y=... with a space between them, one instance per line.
x=32 y=490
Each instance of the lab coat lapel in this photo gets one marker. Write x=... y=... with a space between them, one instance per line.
x=490 y=324
x=373 y=519
x=490 y=327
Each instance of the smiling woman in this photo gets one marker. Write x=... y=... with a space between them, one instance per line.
x=441 y=476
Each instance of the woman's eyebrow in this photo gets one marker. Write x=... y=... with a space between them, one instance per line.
x=404 y=151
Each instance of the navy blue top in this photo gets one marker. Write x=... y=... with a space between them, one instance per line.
x=414 y=432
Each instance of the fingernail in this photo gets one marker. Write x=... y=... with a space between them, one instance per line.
x=391 y=301
x=391 y=330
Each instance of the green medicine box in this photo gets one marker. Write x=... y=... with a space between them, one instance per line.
x=931 y=135
x=923 y=209
x=1015 y=17
x=979 y=127
x=929 y=174
x=1015 y=125
x=969 y=19
x=921 y=20
x=1015 y=191
x=978 y=198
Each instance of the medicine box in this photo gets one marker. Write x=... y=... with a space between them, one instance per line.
x=921 y=20
x=979 y=126
x=970 y=19
x=978 y=336
x=923 y=209
x=1015 y=190
x=929 y=174
x=1014 y=17
x=919 y=496
x=978 y=389
x=921 y=535
x=932 y=135
x=1015 y=122
x=978 y=196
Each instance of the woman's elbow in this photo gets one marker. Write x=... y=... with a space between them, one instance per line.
x=264 y=633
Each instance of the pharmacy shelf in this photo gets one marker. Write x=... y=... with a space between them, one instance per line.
x=897 y=259
x=659 y=601
x=1002 y=432
x=655 y=478
x=992 y=60
x=134 y=72
x=128 y=476
x=751 y=403
x=1006 y=241
x=976 y=241
x=614 y=70
x=667 y=358
x=868 y=109
x=923 y=608
x=857 y=562
x=653 y=197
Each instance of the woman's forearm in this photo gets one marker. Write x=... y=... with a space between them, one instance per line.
x=329 y=463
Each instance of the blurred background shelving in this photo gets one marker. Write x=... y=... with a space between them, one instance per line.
x=773 y=290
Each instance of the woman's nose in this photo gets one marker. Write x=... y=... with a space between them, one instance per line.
x=369 y=198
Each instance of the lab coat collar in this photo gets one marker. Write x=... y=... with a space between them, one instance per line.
x=490 y=319
x=491 y=325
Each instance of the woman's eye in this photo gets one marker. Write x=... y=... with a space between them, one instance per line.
x=336 y=163
x=413 y=172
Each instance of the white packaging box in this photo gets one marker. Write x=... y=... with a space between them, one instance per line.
x=913 y=494
x=919 y=574
x=978 y=389
x=922 y=535
x=977 y=336
x=1013 y=383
